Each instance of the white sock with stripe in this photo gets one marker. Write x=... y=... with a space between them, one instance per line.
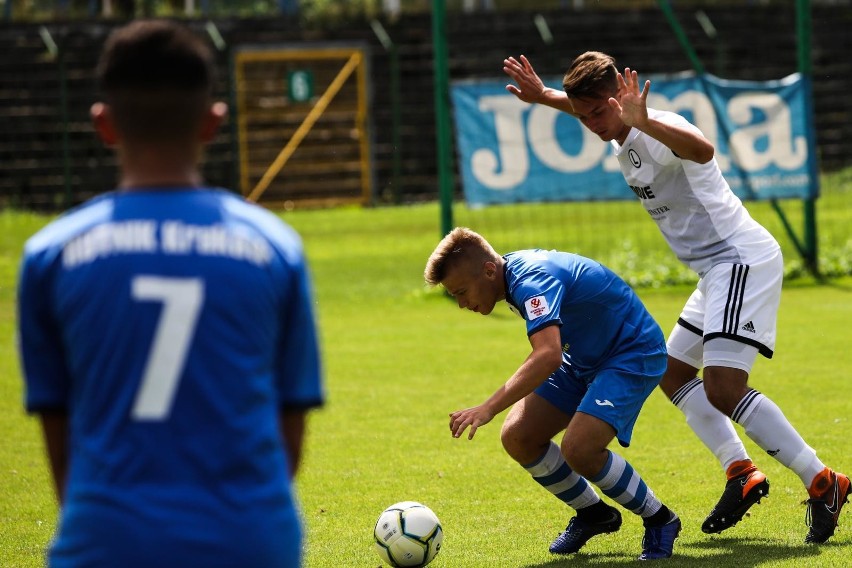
x=712 y=427
x=769 y=428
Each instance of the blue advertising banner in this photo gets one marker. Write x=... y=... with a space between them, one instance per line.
x=513 y=152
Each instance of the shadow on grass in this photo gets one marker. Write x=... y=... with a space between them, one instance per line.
x=740 y=552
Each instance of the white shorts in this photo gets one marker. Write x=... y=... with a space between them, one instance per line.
x=734 y=302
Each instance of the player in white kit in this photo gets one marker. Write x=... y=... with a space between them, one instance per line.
x=731 y=316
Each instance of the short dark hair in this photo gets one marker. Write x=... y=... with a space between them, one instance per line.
x=591 y=75
x=157 y=76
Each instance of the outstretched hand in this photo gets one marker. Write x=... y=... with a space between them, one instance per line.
x=530 y=87
x=629 y=103
x=473 y=417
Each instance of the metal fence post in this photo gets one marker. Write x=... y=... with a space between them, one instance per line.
x=442 y=114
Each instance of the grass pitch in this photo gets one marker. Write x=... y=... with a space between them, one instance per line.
x=399 y=358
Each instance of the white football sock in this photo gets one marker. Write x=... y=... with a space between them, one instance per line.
x=769 y=428
x=712 y=427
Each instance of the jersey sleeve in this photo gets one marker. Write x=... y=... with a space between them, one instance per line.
x=40 y=344
x=539 y=296
x=298 y=367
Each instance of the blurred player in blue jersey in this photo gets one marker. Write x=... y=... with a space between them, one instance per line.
x=596 y=356
x=168 y=338
x=731 y=316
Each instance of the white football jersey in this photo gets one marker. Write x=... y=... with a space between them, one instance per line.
x=702 y=220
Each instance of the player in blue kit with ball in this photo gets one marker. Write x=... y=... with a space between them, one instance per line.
x=167 y=337
x=596 y=356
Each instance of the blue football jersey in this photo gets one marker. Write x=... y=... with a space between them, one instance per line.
x=171 y=325
x=599 y=315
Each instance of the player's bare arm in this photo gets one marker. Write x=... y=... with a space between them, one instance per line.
x=530 y=88
x=292 y=426
x=631 y=105
x=545 y=358
x=55 y=429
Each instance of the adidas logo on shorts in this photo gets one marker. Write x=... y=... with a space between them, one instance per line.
x=748 y=326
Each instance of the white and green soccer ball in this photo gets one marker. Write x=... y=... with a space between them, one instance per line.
x=408 y=534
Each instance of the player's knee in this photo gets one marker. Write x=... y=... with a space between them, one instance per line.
x=573 y=456
x=515 y=440
x=677 y=374
x=522 y=444
x=725 y=387
x=579 y=458
x=717 y=398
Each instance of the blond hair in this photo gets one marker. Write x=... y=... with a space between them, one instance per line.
x=591 y=75
x=461 y=246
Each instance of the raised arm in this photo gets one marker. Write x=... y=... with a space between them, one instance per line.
x=631 y=105
x=530 y=88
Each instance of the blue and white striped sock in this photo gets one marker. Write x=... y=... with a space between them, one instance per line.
x=621 y=483
x=552 y=472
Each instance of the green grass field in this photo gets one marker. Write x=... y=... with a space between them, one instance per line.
x=399 y=358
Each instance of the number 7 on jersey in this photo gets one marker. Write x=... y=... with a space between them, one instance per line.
x=182 y=299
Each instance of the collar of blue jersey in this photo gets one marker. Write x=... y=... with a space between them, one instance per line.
x=512 y=304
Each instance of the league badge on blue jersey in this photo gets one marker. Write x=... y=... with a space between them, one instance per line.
x=536 y=307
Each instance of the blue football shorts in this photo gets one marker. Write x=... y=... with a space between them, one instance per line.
x=615 y=394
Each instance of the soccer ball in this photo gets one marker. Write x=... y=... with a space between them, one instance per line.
x=408 y=534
